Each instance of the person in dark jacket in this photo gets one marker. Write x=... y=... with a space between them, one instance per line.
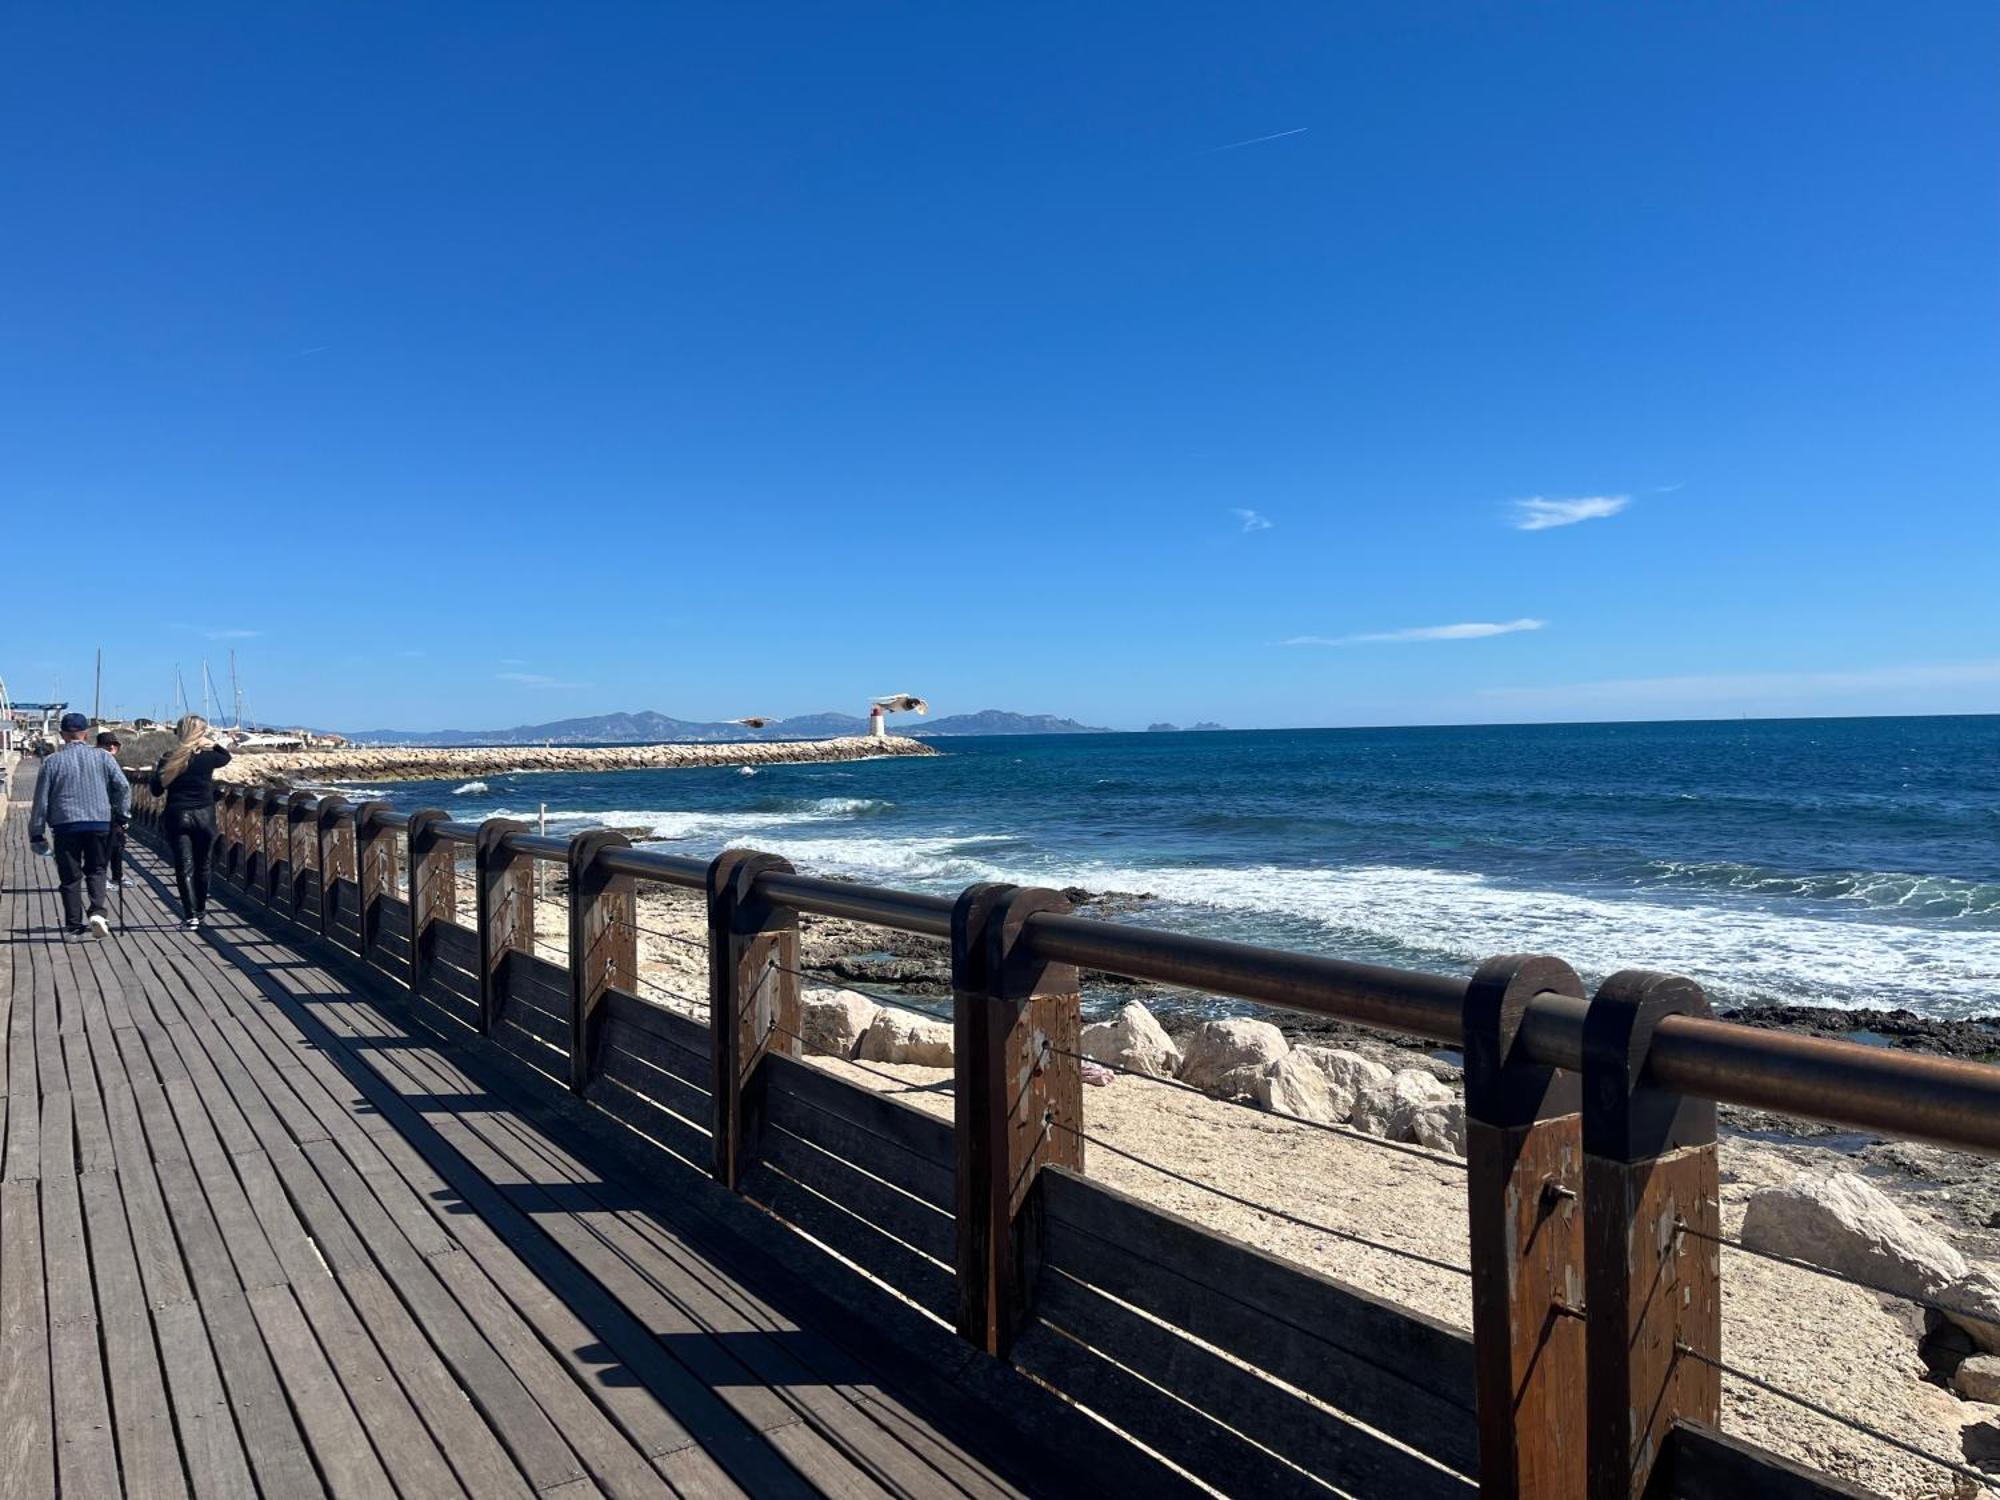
x=185 y=777
x=79 y=794
x=108 y=743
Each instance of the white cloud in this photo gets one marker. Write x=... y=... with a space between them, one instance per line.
x=1470 y=631
x=1539 y=514
x=537 y=679
x=1253 y=520
x=1738 y=687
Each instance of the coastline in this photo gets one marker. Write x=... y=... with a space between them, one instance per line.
x=416 y=763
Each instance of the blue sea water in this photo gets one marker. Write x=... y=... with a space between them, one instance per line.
x=1834 y=861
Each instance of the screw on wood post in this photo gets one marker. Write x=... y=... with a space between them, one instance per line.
x=433 y=892
x=302 y=839
x=603 y=948
x=504 y=899
x=753 y=1000
x=1650 y=1289
x=375 y=870
x=1018 y=1101
x=336 y=860
x=1524 y=1170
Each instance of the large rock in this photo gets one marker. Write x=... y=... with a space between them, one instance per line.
x=832 y=1022
x=1978 y=1378
x=1440 y=1125
x=1316 y=1083
x=1218 y=1048
x=1134 y=1041
x=1973 y=1303
x=1390 y=1109
x=1848 y=1225
x=896 y=1036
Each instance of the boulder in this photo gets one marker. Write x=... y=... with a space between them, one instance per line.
x=1848 y=1225
x=1973 y=1303
x=1389 y=1109
x=832 y=1022
x=1440 y=1125
x=1978 y=1378
x=1134 y=1041
x=1238 y=1083
x=896 y=1036
x=1316 y=1083
x=1218 y=1047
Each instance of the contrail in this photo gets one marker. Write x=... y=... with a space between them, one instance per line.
x=1258 y=140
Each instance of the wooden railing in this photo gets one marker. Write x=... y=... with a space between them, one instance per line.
x=1593 y=1364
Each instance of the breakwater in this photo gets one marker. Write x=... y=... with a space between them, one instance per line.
x=415 y=763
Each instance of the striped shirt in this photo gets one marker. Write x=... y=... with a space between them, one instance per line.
x=79 y=784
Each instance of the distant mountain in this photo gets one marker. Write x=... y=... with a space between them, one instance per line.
x=1176 y=729
x=650 y=728
x=646 y=728
x=999 y=721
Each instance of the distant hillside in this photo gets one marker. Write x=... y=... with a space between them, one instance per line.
x=1176 y=729
x=645 y=728
x=997 y=721
x=650 y=728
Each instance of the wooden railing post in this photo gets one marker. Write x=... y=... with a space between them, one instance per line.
x=753 y=1000
x=375 y=870
x=229 y=834
x=1018 y=1101
x=277 y=859
x=302 y=839
x=253 y=841
x=505 y=905
x=1652 y=1292
x=433 y=891
x=603 y=948
x=336 y=859
x=1524 y=1176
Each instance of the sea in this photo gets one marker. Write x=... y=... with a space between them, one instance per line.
x=1851 y=862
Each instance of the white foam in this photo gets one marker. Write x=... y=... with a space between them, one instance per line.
x=471 y=789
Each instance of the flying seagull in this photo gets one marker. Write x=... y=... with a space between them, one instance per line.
x=902 y=703
x=754 y=722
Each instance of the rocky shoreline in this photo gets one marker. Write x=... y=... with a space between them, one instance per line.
x=292 y=768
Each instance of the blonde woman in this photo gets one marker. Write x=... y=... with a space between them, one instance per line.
x=185 y=776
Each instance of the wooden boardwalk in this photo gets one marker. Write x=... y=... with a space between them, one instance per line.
x=261 y=1236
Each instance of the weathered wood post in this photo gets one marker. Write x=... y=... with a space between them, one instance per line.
x=1649 y=1288
x=505 y=904
x=253 y=841
x=375 y=860
x=336 y=862
x=1018 y=1101
x=277 y=858
x=302 y=838
x=433 y=892
x=229 y=834
x=603 y=948
x=753 y=1000
x=1524 y=1177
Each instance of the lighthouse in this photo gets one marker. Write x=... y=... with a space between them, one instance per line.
x=878 y=723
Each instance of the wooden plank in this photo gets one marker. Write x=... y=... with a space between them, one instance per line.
x=657 y=1126
x=859 y=1123
x=656 y=1053
x=86 y=1452
x=656 y=1020
x=930 y=1285
x=675 y=1091
x=1338 y=1453
x=539 y=981
x=850 y=1184
x=149 y=1457
x=456 y=945
x=1216 y=1283
x=1700 y=1463
x=27 y=1417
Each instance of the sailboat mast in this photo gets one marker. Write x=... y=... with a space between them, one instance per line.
x=236 y=689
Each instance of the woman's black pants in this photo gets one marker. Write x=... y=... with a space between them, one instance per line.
x=191 y=836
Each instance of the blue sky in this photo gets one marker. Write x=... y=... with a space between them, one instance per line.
x=471 y=365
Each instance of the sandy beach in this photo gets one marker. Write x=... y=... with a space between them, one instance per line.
x=1847 y=1348
x=416 y=763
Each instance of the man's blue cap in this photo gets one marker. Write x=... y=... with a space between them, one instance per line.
x=72 y=723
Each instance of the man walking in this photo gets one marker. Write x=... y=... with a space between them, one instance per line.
x=78 y=796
